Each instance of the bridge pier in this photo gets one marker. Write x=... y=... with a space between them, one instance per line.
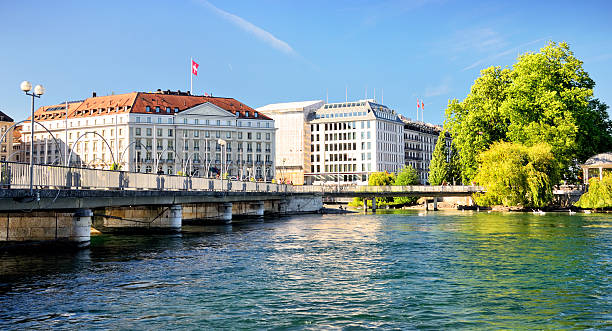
x=46 y=227
x=225 y=210
x=248 y=209
x=139 y=219
x=374 y=204
x=435 y=204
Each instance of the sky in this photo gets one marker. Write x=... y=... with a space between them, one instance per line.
x=267 y=51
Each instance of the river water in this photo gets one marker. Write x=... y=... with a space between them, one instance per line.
x=443 y=270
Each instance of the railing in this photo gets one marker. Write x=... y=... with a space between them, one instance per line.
x=17 y=176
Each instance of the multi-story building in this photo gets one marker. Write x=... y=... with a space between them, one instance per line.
x=344 y=142
x=164 y=131
x=6 y=145
x=293 y=149
x=419 y=143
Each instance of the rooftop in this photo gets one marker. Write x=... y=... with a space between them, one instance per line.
x=603 y=160
x=159 y=103
x=5 y=118
x=290 y=105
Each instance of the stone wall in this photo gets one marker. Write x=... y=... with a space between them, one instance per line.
x=138 y=218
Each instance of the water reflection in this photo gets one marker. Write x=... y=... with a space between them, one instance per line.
x=444 y=270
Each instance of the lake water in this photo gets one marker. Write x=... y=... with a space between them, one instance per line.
x=444 y=270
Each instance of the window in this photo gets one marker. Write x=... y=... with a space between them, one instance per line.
x=148 y=109
x=218 y=122
x=171 y=120
x=149 y=119
x=149 y=131
x=258 y=136
x=249 y=135
x=268 y=136
x=207 y=134
x=168 y=110
x=176 y=109
x=196 y=133
x=159 y=132
x=137 y=131
x=157 y=109
x=239 y=135
x=196 y=121
x=137 y=119
x=217 y=134
x=228 y=135
x=159 y=120
x=170 y=132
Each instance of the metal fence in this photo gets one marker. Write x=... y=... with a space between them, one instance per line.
x=17 y=176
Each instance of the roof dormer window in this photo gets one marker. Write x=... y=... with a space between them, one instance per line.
x=157 y=109
x=148 y=109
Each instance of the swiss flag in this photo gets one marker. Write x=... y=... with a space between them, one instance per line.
x=418 y=104
x=194 y=67
x=422 y=105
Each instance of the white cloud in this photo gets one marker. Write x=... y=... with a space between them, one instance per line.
x=251 y=28
x=500 y=54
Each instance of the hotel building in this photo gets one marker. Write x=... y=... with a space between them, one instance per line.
x=163 y=131
x=419 y=143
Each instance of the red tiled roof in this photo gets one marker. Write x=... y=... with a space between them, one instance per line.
x=137 y=102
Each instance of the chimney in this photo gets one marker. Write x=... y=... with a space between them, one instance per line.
x=93 y=94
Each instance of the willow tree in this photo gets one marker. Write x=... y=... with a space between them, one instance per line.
x=516 y=175
x=545 y=97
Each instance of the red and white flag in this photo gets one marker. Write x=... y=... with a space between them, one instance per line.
x=194 y=67
x=422 y=105
x=418 y=104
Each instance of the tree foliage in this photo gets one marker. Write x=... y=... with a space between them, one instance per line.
x=599 y=194
x=439 y=167
x=405 y=177
x=545 y=97
x=381 y=179
x=516 y=175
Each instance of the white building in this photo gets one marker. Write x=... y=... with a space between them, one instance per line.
x=166 y=131
x=293 y=151
x=342 y=143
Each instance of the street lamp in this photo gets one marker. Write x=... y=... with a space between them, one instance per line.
x=223 y=144
x=38 y=91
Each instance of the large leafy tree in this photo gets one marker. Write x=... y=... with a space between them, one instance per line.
x=599 y=194
x=405 y=177
x=545 y=97
x=439 y=167
x=514 y=174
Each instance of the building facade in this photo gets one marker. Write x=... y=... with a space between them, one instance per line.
x=293 y=130
x=6 y=145
x=165 y=131
x=419 y=143
x=341 y=143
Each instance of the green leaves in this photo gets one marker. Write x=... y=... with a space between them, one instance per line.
x=599 y=194
x=516 y=175
x=545 y=97
x=439 y=167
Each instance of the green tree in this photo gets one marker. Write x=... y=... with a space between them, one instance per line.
x=439 y=167
x=545 y=97
x=516 y=175
x=380 y=179
x=454 y=166
x=599 y=194
x=405 y=177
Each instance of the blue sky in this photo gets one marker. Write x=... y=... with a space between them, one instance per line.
x=262 y=52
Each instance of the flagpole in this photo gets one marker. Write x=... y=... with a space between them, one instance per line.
x=191 y=75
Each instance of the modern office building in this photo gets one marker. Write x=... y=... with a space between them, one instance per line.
x=163 y=131
x=342 y=142
x=294 y=138
x=6 y=145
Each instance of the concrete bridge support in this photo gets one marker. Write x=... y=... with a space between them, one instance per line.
x=435 y=203
x=207 y=213
x=71 y=229
x=139 y=219
x=374 y=205
x=248 y=209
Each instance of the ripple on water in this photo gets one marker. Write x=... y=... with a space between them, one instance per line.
x=393 y=271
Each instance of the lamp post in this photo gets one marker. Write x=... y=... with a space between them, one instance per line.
x=223 y=144
x=38 y=91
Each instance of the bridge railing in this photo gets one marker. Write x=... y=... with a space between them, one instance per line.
x=17 y=176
